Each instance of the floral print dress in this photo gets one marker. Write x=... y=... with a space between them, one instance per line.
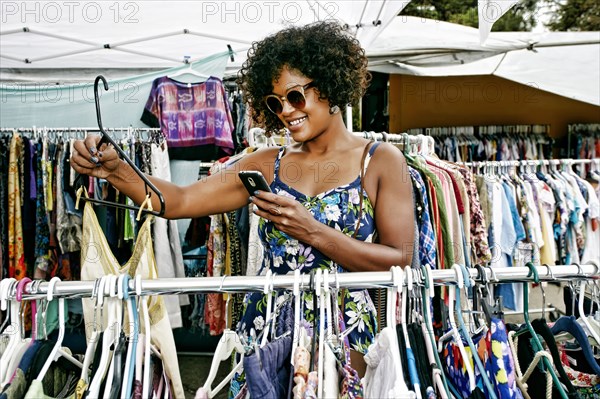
x=339 y=209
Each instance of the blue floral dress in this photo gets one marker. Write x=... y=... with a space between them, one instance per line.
x=339 y=209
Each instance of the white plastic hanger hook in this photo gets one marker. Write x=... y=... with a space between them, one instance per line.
x=138 y=284
x=112 y=286
x=326 y=281
x=396 y=276
x=296 y=282
x=409 y=279
x=51 y=285
x=459 y=276
x=318 y=281
x=5 y=288
x=267 y=281
x=430 y=278
x=120 y=286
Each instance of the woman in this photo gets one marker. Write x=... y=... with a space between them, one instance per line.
x=333 y=192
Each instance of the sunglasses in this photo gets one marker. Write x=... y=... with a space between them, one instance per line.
x=295 y=97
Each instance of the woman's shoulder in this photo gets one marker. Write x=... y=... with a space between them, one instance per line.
x=386 y=152
x=262 y=160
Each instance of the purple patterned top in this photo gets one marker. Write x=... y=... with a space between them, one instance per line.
x=190 y=114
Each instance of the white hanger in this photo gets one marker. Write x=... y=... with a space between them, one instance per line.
x=582 y=314
x=55 y=354
x=297 y=297
x=114 y=293
x=321 y=297
x=14 y=328
x=146 y=382
x=268 y=290
x=409 y=287
x=188 y=71
x=133 y=337
x=98 y=295
x=454 y=330
x=228 y=343
x=107 y=339
x=427 y=328
x=397 y=282
x=330 y=370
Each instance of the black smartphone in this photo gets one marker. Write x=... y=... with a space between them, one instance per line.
x=253 y=180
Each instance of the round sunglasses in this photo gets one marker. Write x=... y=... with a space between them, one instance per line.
x=295 y=97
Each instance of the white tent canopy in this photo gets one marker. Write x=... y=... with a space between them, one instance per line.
x=154 y=34
x=47 y=42
x=564 y=63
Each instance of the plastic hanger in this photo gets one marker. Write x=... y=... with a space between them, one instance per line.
x=14 y=328
x=454 y=333
x=319 y=292
x=535 y=341
x=143 y=303
x=188 y=71
x=482 y=293
x=98 y=297
x=107 y=139
x=427 y=326
x=54 y=354
x=108 y=339
x=268 y=291
x=582 y=315
x=19 y=335
x=461 y=269
x=228 y=344
x=297 y=297
x=5 y=286
x=115 y=282
x=132 y=313
x=412 y=364
x=392 y=298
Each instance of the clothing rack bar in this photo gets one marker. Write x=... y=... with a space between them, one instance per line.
x=532 y=162
x=58 y=129
x=356 y=280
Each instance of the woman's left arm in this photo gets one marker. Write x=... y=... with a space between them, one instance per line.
x=394 y=218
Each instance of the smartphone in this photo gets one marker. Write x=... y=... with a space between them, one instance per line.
x=253 y=180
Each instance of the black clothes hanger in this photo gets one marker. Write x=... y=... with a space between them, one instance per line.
x=106 y=139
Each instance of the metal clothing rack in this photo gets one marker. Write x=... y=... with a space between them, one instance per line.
x=532 y=162
x=75 y=132
x=386 y=137
x=356 y=280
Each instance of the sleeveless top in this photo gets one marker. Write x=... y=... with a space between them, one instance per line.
x=98 y=260
x=338 y=208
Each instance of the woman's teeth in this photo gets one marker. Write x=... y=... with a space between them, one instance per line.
x=297 y=121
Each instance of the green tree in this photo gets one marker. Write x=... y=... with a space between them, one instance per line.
x=521 y=17
x=574 y=15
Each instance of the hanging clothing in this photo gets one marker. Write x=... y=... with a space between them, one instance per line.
x=16 y=256
x=195 y=118
x=98 y=260
x=268 y=374
x=167 y=248
x=383 y=362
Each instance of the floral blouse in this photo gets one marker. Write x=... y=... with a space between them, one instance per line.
x=339 y=209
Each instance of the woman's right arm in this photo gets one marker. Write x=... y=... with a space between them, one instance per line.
x=218 y=193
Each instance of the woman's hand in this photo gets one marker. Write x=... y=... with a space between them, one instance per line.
x=288 y=215
x=87 y=159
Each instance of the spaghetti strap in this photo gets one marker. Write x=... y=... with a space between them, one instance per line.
x=369 y=156
x=277 y=163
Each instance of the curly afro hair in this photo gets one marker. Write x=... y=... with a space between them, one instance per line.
x=322 y=51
